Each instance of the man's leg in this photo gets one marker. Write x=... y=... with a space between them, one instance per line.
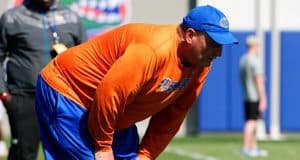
x=251 y=115
x=249 y=141
x=63 y=125
x=24 y=129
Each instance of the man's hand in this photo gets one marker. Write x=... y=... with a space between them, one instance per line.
x=262 y=105
x=5 y=96
x=142 y=157
x=108 y=155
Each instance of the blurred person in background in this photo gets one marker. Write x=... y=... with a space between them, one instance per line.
x=255 y=101
x=31 y=34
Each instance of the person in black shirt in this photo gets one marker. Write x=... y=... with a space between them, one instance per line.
x=31 y=34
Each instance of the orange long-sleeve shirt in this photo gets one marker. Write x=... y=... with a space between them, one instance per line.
x=125 y=76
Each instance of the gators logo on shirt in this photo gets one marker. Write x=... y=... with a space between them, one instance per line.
x=97 y=15
x=168 y=85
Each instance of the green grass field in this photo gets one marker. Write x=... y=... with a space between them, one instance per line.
x=225 y=147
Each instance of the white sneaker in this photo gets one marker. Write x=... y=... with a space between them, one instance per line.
x=254 y=152
x=261 y=152
x=248 y=153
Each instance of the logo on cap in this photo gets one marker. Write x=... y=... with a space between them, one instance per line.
x=224 y=22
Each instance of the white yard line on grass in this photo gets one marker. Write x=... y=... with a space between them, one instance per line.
x=189 y=154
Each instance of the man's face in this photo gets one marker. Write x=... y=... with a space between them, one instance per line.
x=45 y=4
x=202 y=50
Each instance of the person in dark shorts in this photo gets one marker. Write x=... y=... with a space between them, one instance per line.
x=253 y=82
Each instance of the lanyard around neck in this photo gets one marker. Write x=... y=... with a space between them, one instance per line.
x=53 y=29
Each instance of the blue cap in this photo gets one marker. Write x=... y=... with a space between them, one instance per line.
x=212 y=21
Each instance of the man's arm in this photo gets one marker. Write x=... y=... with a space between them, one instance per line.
x=259 y=78
x=119 y=87
x=3 y=50
x=260 y=83
x=165 y=124
x=162 y=128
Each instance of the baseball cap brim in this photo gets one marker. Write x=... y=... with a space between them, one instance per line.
x=223 y=38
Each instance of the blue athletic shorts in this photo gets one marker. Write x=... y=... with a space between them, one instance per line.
x=64 y=132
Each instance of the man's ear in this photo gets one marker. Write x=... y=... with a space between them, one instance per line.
x=189 y=34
